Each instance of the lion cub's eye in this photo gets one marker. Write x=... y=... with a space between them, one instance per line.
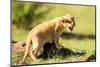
x=69 y=22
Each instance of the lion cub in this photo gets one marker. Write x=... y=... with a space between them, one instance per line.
x=46 y=32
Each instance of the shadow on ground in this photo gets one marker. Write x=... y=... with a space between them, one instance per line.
x=67 y=35
x=92 y=57
x=51 y=51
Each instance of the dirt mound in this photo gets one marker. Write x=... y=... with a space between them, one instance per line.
x=19 y=46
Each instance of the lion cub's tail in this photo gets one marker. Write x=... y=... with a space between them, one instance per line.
x=27 y=49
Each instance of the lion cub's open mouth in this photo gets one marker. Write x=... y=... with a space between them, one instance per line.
x=70 y=28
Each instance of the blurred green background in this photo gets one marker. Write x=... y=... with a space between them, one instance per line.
x=26 y=15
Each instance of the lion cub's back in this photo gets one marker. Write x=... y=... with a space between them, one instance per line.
x=46 y=28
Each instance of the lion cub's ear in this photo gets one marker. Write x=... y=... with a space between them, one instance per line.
x=73 y=17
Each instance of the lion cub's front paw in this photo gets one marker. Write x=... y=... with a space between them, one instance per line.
x=59 y=47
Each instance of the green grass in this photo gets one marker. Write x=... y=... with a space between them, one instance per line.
x=84 y=45
x=87 y=45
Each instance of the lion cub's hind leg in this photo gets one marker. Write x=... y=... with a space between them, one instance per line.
x=40 y=52
x=32 y=54
x=37 y=49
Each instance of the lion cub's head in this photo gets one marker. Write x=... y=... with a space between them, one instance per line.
x=68 y=21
